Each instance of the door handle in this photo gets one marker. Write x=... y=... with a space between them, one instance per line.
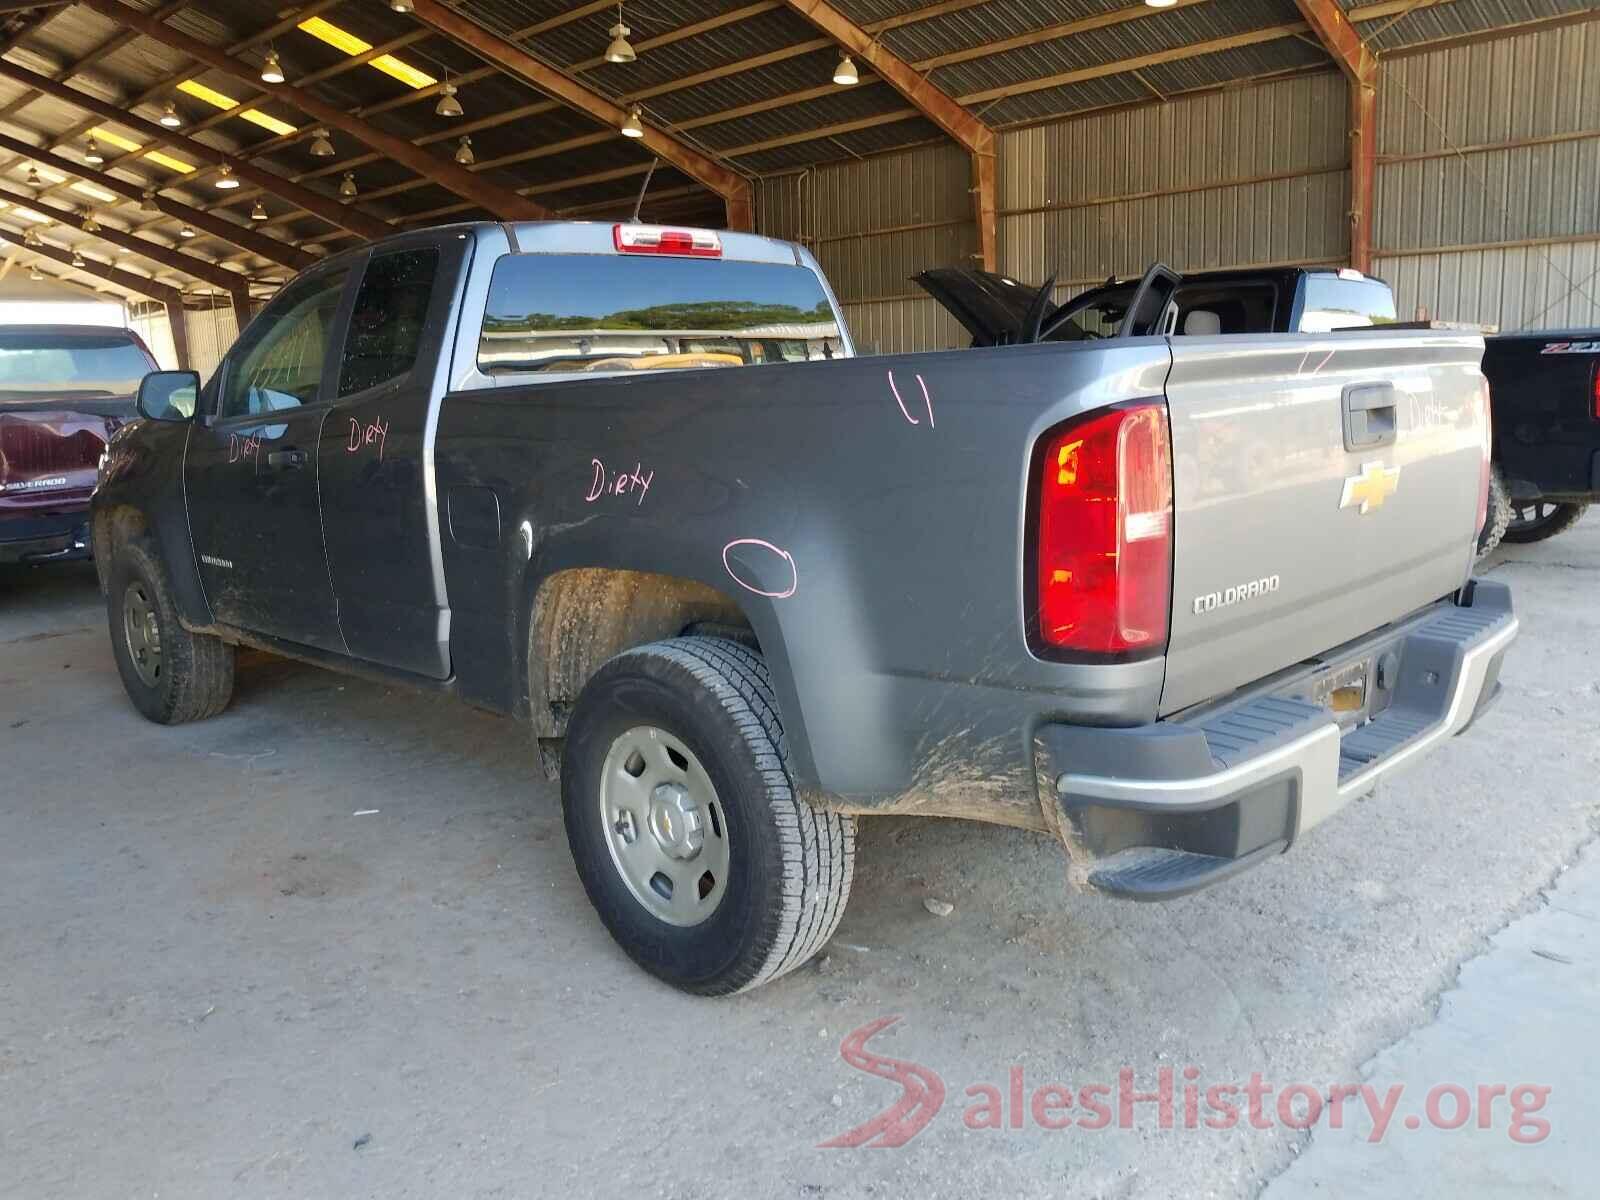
x=1371 y=413
x=287 y=458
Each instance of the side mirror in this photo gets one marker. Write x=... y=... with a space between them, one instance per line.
x=169 y=395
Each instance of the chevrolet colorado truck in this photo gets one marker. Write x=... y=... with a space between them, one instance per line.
x=63 y=390
x=631 y=485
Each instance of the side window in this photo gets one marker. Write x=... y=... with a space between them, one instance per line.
x=387 y=321
x=280 y=366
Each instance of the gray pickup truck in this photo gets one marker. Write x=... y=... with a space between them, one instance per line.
x=1171 y=600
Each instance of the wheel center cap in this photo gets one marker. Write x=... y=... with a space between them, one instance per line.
x=675 y=821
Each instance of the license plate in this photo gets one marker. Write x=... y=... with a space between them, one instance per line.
x=1342 y=690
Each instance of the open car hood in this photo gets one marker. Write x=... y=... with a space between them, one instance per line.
x=992 y=307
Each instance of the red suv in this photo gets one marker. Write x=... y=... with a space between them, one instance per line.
x=64 y=389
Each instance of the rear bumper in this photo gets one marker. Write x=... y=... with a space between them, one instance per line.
x=48 y=537
x=1161 y=810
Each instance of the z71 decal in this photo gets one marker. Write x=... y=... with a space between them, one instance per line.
x=1571 y=348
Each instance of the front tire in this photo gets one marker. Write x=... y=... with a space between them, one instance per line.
x=702 y=862
x=1536 y=520
x=171 y=675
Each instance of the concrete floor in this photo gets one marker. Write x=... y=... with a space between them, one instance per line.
x=219 y=981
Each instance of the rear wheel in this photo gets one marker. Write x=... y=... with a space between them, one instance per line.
x=703 y=863
x=1535 y=520
x=170 y=674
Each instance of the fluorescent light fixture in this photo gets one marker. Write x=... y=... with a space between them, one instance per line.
x=94 y=193
x=27 y=214
x=347 y=42
x=224 y=101
x=133 y=147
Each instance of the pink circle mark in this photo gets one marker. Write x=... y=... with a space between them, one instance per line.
x=794 y=572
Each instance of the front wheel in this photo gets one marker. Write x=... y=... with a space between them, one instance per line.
x=1536 y=520
x=170 y=674
x=703 y=863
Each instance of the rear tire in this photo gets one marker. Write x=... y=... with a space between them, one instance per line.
x=691 y=724
x=1536 y=520
x=171 y=675
x=1498 y=516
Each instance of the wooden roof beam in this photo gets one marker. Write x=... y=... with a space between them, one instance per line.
x=500 y=201
x=233 y=283
x=1338 y=36
x=734 y=188
x=326 y=207
x=139 y=285
x=976 y=138
x=245 y=239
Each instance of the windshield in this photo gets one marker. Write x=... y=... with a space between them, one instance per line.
x=34 y=365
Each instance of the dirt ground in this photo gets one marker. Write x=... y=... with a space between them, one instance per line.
x=331 y=944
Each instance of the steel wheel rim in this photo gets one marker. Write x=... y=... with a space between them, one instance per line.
x=1532 y=514
x=142 y=634
x=664 y=826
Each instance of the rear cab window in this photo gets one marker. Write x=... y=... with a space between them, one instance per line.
x=87 y=364
x=1335 y=302
x=597 y=313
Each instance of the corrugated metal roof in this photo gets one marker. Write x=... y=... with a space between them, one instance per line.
x=607 y=170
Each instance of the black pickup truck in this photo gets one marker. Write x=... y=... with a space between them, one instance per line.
x=1546 y=401
x=631 y=485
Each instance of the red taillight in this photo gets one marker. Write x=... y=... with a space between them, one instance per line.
x=1488 y=454
x=1597 y=391
x=1104 y=520
x=658 y=239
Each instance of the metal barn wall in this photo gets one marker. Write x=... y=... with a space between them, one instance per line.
x=1488 y=196
x=1248 y=176
x=872 y=225
x=1252 y=175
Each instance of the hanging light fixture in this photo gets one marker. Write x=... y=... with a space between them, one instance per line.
x=91 y=152
x=148 y=204
x=90 y=223
x=259 y=212
x=36 y=275
x=464 y=154
x=845 y=74
x=634 y=126
x=33 y=176
x=272 y=68
x=448 y=105
x=170 y=117
x=186 y=233
x=400 y=6
x=31 y=238
x=619 y=51
x=225 y=178
x=77 y=259
x=321 y=147
x=347 y=186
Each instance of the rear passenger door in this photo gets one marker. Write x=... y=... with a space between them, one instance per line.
x=379 y=505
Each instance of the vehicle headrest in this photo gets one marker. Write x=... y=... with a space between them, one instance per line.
x=1201 y=322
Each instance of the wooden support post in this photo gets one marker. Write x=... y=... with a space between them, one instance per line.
x=180 y=333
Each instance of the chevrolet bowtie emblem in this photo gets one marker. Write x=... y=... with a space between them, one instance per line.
x=1371 y=488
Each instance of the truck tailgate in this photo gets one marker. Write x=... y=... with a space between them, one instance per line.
x=1287 y=541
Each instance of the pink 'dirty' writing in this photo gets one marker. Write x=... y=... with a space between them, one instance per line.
x=374 y=433
x=241 y=447
x=780 y=578
x=905 y=412
x=619 y=483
